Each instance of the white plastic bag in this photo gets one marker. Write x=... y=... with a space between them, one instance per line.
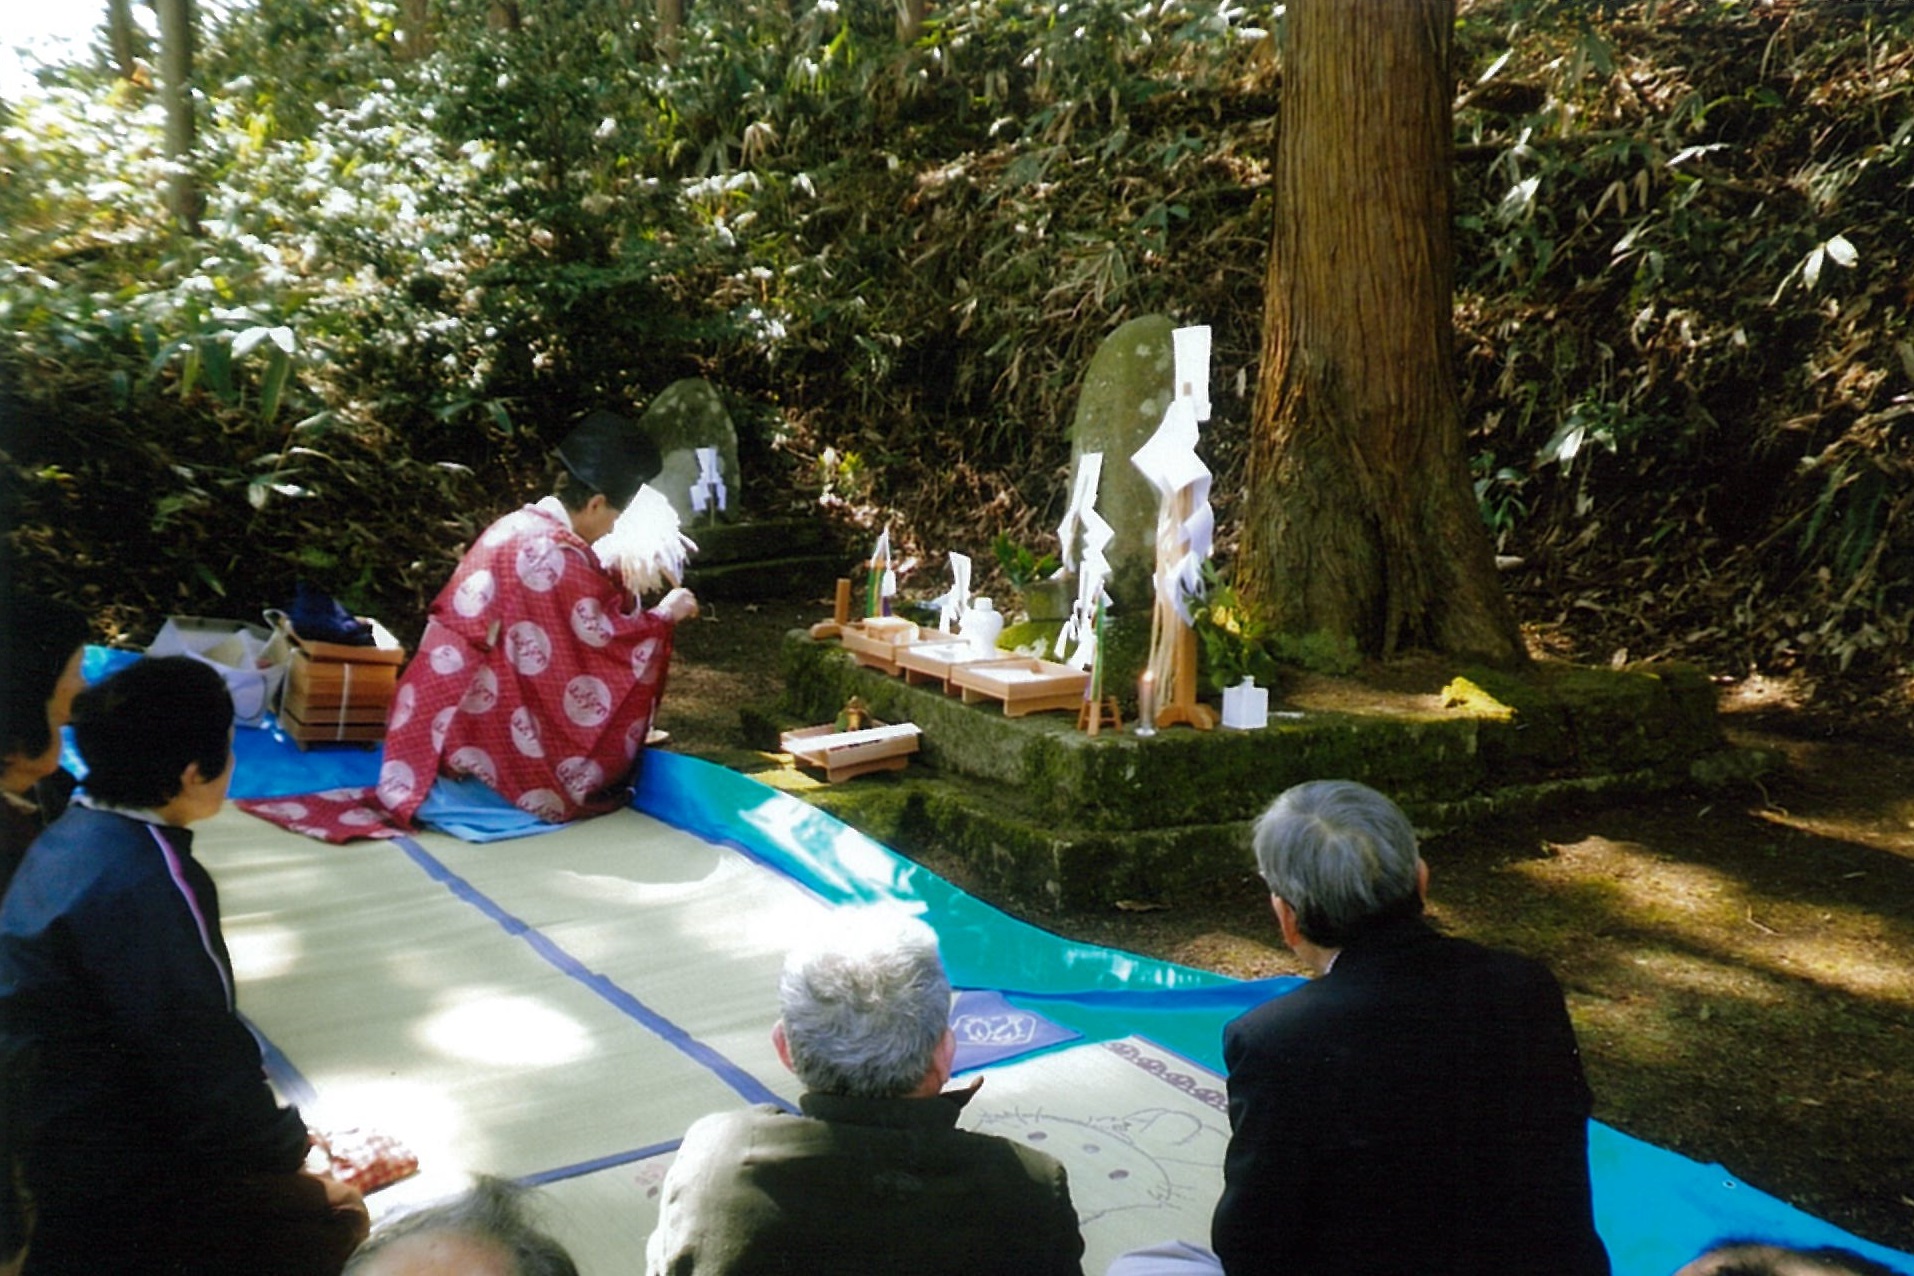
x=251 y=658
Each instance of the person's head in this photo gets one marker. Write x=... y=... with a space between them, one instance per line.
x=605 y=460
x=1753 y=1258
x=487 y=1231
x=41 y=644
x=157 y=735
x=1341 y=857
x=865 y=1008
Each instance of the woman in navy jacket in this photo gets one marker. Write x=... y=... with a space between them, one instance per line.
x=153 y=1141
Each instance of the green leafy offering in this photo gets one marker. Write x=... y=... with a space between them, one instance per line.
x=1021 y=567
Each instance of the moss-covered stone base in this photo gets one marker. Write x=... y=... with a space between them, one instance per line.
x=1050 y=814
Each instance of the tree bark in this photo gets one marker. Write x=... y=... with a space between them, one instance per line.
x=910 y=20
x=123 y=37
x=415 y=22
x=1360 y=518
x=670 y=16
x=176 y=92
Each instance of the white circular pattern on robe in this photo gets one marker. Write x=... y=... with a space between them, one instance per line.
x=446 y=659
x=500 y=532
x=540 y=565
x=472 y=760
x=525 y=733
x=283 y=810
x=529 y=648
x=587 y=701
x=543 y=803
x=474 y=594
x=590 y=623
x=404 y=702
x=482 y=694
x=581 y=777
x=358 y=817
x=442 y=726
x=641 y=657
x=397 y=783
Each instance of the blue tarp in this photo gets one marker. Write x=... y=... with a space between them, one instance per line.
x=1655 y=1209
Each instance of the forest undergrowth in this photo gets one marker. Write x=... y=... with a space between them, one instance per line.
x=1682 y=260
x=1684 y=272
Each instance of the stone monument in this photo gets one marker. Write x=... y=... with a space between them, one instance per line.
x=739 y=556
x=1131 y=379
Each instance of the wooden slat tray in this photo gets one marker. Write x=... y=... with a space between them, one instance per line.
x=1024 y=684
x=935 y=660
x=843 y=754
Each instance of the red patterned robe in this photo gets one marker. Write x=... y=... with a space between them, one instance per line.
x=534 y=675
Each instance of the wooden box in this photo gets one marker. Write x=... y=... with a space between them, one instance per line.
x=937 y=659
x=843 y=754
x=1024 y=685
x=336 y=693
x=875 y=642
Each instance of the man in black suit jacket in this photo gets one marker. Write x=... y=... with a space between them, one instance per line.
x=1417 y=1109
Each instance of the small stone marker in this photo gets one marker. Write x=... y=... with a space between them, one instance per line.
x=688 y=415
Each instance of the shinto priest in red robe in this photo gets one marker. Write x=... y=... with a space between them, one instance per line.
x=539 y=672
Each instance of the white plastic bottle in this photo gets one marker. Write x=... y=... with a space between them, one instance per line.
x=982 y=623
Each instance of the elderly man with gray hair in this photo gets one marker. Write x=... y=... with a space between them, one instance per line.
x=1419 y=1107
x=487 y=1231
x=874 y=1176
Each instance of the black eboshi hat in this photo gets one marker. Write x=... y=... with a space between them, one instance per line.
x=611 y=454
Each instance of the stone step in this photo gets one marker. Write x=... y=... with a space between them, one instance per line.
x=764 y=539
x=803 y=576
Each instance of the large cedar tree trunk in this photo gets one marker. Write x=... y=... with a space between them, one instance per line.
x=415 y=22
x=124 y=39
x=1360 y=519
x=176 y=91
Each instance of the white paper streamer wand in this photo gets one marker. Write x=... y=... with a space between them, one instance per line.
x=644 y=546
x=710 y=482
x=951 y=606
x=883 y=578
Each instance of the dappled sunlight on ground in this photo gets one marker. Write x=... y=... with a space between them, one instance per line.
x=494 y=1027
x=1836 y=946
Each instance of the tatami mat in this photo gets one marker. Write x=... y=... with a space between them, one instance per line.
x=560 y=1008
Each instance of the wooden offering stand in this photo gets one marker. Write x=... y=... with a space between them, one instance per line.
x=1184 y=706
x=937 y=659
x=1024 y=685
x=876 y=642
x=844 y=754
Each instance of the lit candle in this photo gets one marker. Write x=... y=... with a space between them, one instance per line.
x=1146 y=704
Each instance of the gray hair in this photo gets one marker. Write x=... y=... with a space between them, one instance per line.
x=492 y=1214
x=1342 y=855
x=865 y=1005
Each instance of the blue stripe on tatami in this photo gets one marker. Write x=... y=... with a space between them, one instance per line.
x=612 y=1162
x=740 y=1080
